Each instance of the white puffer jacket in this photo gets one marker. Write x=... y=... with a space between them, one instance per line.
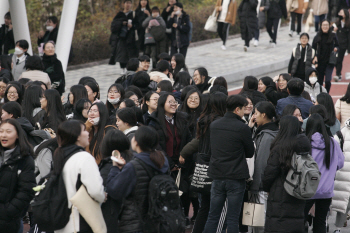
x=342 y=179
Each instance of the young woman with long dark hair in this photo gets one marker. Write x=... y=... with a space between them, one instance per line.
x=93 y=91
x=79 y=169
x=76 y=93
x=274 y=95
x=215 y=108
x=320 y=109
x=250 y=87
x=329 y=158
x=327 y=101
x=16 y=175
x=54 y=114
x=126 y=177
x=81 y=110
x=95 y=125
x=31 y=104
x=178 y=64
x=13 y=92
x=113 y=140
x=182 y=80
x=193 y=106
x=324 y=43
x=280 y=205
x=115 y=95
x=201 y=79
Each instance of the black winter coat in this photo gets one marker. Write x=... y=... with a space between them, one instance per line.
x=125 y=48
x=273 y=95
x=184 y=29
x=184 y=132
x=231 y=143
x=17 y=180
x=5 y=73
x=53 y=67
x=141 y=16
x=324 y=45
x=6 y=39
x=111 y=208
x=277 y=9
x=248 y=18
x=49 y=36
x=284 y=213
x=343 y=35
x=255 y=95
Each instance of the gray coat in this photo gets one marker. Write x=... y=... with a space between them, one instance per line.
x=263 y=141
x=19 y=68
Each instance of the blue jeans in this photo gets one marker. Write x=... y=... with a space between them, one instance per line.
x=233 y=190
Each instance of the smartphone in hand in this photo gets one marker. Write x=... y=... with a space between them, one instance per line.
x=116 y=157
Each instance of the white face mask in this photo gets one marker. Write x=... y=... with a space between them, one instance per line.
x=178 y=12
x=313 y=80
x=49 y=28
x=96 y=120
x=113 y=101
x=18 y=51
x=155 y=15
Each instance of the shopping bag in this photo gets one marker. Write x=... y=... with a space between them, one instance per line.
x=90 y=210
x=253 y=214
x=178 y=178
x=211 y=25
x=149 y=39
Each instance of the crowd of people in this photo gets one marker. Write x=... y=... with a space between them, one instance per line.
x=162 y=123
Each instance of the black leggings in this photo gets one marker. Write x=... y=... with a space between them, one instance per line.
x=271 y=22
x=325 y=70
x=202 y=214
x=321 y=211
x=294 y=15
x=223 y=29
x=340 y=59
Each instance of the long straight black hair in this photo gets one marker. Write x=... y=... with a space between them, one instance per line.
x=67 y=134
x=31 y=101
x=116 y=140
x=315 y=124
x=54 y=109
x=284 y=142
x=326 y=100
x=193 y=113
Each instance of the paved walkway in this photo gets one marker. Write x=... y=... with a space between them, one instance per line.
x=234 y=64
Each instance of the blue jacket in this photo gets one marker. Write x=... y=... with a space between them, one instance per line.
x=121 y=183
x=299 y=101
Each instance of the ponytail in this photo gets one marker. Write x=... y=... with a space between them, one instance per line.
x=157 y=158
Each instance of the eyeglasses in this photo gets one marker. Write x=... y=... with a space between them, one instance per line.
x=194 y=99
x=12 y=93
x=173 y=102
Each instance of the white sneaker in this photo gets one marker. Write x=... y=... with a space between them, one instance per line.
x=273 y=45
x=223 y=47
x=291 y=33
x=256 y=43
x=245 y=48
x=336 y=231
x=123 y=71
x=335 y=78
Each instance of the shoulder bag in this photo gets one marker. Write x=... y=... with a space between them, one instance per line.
x=211 y=25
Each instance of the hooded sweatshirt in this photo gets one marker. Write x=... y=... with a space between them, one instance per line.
x=126 y=179
x=315 y=89
x=326 y=185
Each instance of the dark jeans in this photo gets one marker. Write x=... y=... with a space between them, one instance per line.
x=233 y=190
x=182 y=50
x=325 y=70
x=202 y=214
x=339 y=67
x=272 y=23
x=257 y=32
x=223 y=31
x=294 y=16
x=246 y=40
x=318 y=20
x=321 y=210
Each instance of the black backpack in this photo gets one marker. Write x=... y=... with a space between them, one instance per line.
x=124 y=80
x=164 y=213
x=158 y=33
x=50 y=205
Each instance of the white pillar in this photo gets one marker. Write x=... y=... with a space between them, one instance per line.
x=4 y=8
x=20 y=22
x=66 y=30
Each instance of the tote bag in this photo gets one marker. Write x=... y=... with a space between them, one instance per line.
x=253 y=213
x=211 y=25
x=201 y=182
x=149 y=39
x=90 y=210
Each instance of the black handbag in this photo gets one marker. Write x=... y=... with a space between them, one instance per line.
x=333 y=58
x=201 y=182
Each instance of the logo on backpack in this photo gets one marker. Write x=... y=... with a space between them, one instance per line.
x=303 y=178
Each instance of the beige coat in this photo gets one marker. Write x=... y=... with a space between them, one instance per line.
x=342 y=111
x=231 y=13
x=37 y=75
x=319 y=7
x=302 y=4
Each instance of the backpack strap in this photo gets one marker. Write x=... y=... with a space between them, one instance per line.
x=320 y=88
x=341 y=139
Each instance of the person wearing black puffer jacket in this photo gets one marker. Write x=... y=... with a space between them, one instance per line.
x=248 y=20
x=274 y=14
x=53 y=67
x=17 y=178
x=250 y=87
x=284 y=212
x=274 y=95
